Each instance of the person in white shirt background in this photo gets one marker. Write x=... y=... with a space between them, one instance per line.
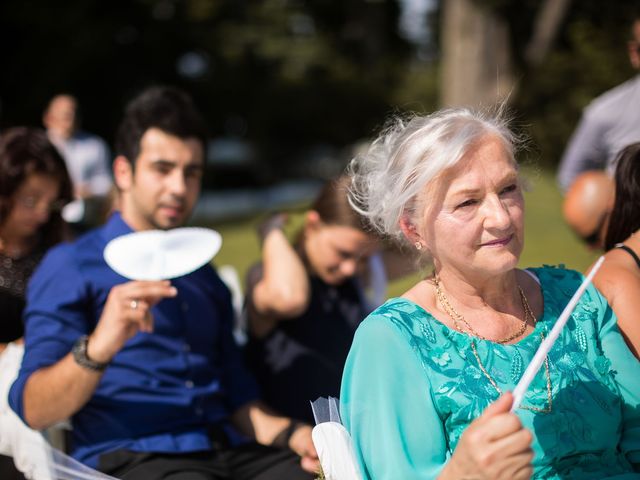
x=88 y=160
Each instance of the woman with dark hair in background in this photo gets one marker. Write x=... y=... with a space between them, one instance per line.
x=34 y=186
x=304 y=302
x=619 y=277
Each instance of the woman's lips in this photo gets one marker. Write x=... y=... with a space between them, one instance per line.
x=500 y=242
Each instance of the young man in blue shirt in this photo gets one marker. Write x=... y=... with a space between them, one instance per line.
x=147 y=370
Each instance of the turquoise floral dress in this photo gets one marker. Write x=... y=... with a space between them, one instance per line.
x=412 y=385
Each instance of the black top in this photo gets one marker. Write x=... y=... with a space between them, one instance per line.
x=302 y=358
x=630 y=252
x=14 y=276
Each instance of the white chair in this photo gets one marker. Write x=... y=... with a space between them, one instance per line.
x=333 y=442
x=229 y=275
x=31 y=453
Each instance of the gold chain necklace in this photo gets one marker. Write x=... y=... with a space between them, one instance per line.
x=444 y=303
x=455 y=316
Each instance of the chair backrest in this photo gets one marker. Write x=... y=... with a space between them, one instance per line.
x=229 y=275
x=332 y=441
x=335 y=451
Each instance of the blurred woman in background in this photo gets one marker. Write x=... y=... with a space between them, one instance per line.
x=305 y=301
x=34 y=186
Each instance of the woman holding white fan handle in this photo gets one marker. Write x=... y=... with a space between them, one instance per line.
x=425 y=391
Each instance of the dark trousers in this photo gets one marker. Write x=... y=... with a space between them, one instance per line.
x=246 y=462
x=7 y=470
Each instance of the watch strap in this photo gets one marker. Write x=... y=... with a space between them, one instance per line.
x=82 y=358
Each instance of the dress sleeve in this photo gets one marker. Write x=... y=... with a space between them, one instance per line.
x=627 y=374
x=387 y=407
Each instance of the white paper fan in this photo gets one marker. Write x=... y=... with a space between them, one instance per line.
x=162 y=254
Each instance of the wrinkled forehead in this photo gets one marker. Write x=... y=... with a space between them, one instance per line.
x=487 y=159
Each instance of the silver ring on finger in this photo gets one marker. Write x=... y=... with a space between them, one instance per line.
x=134 y=304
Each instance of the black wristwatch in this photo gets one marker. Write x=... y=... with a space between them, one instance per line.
x=79 y=351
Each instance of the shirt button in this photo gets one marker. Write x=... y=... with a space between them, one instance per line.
x=199 y=412
x=185 y=307
x=186 y=347
x=188 y=384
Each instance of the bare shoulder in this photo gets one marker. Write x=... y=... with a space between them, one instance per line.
x=618 y=277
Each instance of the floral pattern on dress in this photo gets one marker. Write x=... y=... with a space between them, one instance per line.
x=586 y=406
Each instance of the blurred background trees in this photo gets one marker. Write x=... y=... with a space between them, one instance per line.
x=296 y=83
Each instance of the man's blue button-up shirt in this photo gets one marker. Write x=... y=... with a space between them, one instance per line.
x=162 y=389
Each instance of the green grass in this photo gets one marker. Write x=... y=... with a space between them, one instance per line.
x=547 y=239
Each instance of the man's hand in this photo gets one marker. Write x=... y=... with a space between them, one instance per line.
x=58 y=391
x=301 y=443
x=256 y=420
x=127 y=311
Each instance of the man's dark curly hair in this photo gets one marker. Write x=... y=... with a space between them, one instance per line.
x=166 y=108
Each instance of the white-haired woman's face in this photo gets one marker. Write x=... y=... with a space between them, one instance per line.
x=476 y=227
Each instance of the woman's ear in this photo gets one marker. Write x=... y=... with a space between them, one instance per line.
x=312 y=220
x=410 y=232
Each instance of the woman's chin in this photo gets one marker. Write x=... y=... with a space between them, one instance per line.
x=502 y=263
x=333 y=280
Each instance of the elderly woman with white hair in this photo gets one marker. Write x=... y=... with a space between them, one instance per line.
x=425 y=391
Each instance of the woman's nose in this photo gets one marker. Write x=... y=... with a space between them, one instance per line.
x=348 y=267
x=496 y=213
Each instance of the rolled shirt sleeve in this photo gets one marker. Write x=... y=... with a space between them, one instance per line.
x=54 y=318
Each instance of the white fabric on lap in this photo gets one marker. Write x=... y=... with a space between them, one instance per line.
x=31 y=453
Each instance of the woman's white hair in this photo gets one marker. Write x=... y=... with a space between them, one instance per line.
x=409 y=154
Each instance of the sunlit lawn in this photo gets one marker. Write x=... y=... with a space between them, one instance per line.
x=547 y=239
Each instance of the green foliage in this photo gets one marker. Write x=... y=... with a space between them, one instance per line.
x=589 y=56
x=296 y=73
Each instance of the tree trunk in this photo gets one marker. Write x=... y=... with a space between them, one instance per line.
x=545 y=29
x=476 y=56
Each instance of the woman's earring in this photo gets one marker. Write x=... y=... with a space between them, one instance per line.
x=418 y=245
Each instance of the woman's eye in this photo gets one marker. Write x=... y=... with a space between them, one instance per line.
x=509 y=189
x=466 y=203
x=344 y=255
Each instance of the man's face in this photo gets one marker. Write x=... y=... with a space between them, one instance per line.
x=163 y=187
x=60 y=118
x=634 y=45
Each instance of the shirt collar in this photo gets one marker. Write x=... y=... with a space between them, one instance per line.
x=115 y=227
